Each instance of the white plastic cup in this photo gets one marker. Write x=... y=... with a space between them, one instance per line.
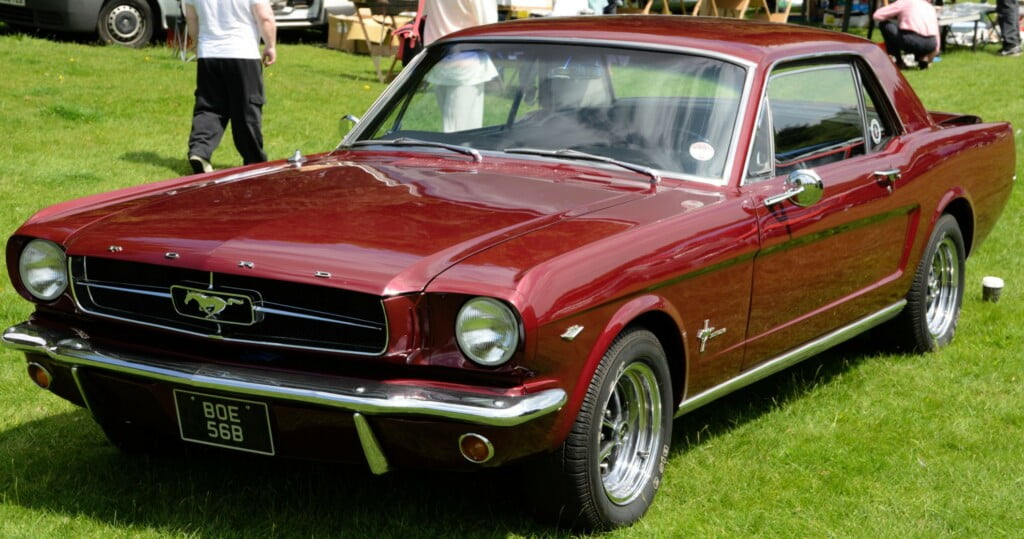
x=991 y=288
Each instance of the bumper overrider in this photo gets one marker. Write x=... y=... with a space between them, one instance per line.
x=358 y=397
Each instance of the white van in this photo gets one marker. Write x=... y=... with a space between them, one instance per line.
x=134 y=23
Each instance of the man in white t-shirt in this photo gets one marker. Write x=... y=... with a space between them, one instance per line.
x=229 y=75
x=459 y=80
x=446 y=16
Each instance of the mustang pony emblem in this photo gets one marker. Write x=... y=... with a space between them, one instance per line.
x=211 y=305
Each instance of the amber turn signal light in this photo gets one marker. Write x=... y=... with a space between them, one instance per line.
x=40 y=375
x=476 y=448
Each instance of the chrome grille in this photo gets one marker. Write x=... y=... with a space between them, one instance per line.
x=282 y=314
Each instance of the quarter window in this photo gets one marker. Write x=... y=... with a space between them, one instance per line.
x=813 y=115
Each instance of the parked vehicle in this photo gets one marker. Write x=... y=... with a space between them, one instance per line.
x=649 y=213
x=135 y=23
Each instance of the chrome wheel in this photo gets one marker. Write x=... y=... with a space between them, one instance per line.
x=942 y=293
x=928 y=321
x=610 y=466
x=630 y=434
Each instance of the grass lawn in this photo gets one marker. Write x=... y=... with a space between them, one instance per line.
x=852 y=443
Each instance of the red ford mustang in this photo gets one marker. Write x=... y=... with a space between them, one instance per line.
x=546 y=239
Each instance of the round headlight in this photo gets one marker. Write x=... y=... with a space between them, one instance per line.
x=487 y=331
x=44 y=269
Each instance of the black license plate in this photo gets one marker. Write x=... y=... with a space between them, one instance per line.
x=224 y=422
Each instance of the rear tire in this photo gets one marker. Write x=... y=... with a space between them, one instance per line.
x=126 y=22
x=929 y=320
x=609 y=468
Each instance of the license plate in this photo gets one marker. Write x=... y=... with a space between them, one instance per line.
x=13 y=2
x=224 y=422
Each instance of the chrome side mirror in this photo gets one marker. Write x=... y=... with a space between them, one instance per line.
x=346 y=123
x=803 y=187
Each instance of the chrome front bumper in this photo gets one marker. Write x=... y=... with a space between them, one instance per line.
x=360 y=397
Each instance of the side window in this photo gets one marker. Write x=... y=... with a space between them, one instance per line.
x=762 y=161
x=814 y=115
x=879 y=130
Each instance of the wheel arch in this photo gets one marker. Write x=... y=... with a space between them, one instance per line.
x=649 y=312
x=670 y=336
x=962 y=211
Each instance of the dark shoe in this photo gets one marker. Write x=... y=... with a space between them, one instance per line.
x=1015 y=51
x=921 y=64
x=199 y=165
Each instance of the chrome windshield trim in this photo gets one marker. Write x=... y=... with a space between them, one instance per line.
x=380 y=105
x=791 y=358
x=368 y=397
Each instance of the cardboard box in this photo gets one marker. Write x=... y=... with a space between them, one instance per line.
x=337 y=31
x=345 y=33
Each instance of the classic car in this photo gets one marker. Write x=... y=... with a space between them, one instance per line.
x=542 y=243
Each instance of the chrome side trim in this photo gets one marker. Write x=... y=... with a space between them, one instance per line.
x=371 y=447
x=368 y=397
x=791 y=358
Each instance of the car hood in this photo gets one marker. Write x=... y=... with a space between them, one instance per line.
x=378 y=223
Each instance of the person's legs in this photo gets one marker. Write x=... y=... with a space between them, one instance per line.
x=462 y=107
x=1007 y=17
x=209 y=115
x=920 y=46
x=891 y=36
x=247 y=109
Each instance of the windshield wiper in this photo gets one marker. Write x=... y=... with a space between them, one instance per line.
x=576 y=154
x=406 y=141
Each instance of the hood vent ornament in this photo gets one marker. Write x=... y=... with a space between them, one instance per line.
x=297 y=159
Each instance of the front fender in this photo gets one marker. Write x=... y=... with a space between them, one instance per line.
x=625 y=315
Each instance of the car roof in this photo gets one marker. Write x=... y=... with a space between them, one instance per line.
x=748 y=40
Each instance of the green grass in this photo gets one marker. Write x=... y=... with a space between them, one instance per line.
x=851 y=443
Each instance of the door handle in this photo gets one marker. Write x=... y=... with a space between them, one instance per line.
x=887 y=178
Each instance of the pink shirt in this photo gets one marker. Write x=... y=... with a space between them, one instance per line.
x=918 y=16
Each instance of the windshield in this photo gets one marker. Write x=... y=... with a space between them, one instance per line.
x=667 y=111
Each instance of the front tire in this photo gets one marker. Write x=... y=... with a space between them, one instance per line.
x=126 y=22
x=933 y=304
x=611 y=464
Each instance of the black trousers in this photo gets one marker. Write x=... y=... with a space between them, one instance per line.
x=228 y=90
x=1007 y=15
x=899 y=41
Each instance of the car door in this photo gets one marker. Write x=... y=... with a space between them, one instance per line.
x=823 y=263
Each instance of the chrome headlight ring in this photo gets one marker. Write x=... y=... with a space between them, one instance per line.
x=487 y=331
x=44 y=270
